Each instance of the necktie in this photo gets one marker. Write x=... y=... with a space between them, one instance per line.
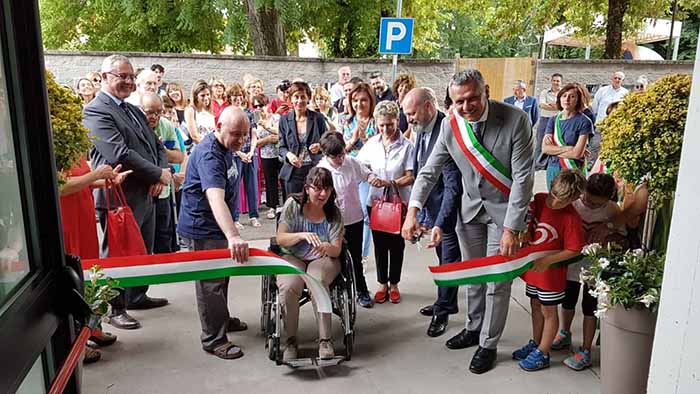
x=476 y=126
x=131 y=116
x=424 y=149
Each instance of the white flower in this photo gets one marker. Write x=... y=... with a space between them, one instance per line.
x=647 y=299
x=591 y=249
x=599 y=313
x=604 y=263
x=638 y=253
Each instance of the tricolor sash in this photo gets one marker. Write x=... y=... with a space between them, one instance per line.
x=559 y=141
x=484 y=162
x=200 y=265
x=494 y=268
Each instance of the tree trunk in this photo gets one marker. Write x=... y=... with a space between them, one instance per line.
x=266 y=30
x=613 y=31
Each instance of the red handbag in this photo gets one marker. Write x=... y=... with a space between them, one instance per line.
x=123 y=233
x=388 y=213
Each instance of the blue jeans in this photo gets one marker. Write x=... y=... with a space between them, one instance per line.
x=448 y=252
x=552 y=172
x=366 y=233
x=248 y=173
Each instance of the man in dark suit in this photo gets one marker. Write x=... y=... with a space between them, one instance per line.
x=439 y=213
x=526 y=103
x=122 y=136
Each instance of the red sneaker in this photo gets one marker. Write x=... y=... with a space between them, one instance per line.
x=380 y=296
x=394 y=296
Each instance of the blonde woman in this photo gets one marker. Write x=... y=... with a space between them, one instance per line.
x=321 y=101
x=253 y=87
x=96 y=80
x=219 y=101
x=198 y=115
x=177 y=95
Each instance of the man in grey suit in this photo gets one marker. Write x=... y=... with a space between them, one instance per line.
x=122 y=136
x=479 y=133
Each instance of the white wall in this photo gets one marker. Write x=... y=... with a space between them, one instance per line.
x=675 y=362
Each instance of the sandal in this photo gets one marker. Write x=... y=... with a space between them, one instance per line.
x=224 y=351
x=235 y=324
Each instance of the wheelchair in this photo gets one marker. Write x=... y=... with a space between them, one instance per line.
x=342 y=293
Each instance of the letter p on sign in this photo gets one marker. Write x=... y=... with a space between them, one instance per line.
x=396 y=36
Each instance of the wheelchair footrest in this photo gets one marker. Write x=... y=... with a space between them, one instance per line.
x=304 y=363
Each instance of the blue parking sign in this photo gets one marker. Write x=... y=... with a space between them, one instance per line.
x=396 y=36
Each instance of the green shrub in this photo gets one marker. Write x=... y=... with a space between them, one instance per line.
x=70 y=137
x=645 y=134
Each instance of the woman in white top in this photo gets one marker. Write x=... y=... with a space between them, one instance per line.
x=198 y=115
x=388 y=156
x=348 y=173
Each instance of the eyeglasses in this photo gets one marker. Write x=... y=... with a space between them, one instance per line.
x=153 y=113
x=319 y=189
x=258 y=106
x=638 y=86
x=124 y=77
x=97 y=80
x=336 y=157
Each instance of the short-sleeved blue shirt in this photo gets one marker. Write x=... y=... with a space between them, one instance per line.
x=210 y=166
x=571 y=129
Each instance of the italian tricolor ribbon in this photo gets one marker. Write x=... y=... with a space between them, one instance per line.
x=200 y=265
x=490 y=168
x=559 y=140
x=494 y=268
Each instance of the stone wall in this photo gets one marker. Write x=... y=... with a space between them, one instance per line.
x=598 y=72
x=186 y=68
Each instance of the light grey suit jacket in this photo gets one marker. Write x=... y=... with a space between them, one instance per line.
x=508 y=136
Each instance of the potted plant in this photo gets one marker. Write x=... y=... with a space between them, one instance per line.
x=99 y=290
x=642 y=143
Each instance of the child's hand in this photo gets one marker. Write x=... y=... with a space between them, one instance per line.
x=540 y=265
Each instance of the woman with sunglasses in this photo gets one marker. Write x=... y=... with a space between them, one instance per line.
x=96 y=80
x=219 y=101
x=310 y=233
x=268 y=142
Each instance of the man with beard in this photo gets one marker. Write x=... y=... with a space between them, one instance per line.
x=381 y=90
x=439 y=213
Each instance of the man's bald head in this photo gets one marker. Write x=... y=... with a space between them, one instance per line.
x=152 y=106
x=420 y=106
x=233 y=128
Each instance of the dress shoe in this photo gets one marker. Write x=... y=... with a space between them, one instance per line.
x=149 y=303
x=235 y=324
x=437 y=326
x=394 y=296
x=102 y=339
x=124 y=321
x=483 y=361
x=463 y=340
x=427 y=310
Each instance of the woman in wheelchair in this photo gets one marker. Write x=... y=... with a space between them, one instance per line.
x=310 y=233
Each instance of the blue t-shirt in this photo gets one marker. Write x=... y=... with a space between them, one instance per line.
x=571 y=129
x=210 y=166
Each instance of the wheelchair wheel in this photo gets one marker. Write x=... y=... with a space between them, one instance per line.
x=348 y=341
x=266 y=304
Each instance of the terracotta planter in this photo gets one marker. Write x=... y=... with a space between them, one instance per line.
x=627 y=336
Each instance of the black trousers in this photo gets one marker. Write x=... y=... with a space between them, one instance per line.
x=387 y=246
x=353 y=237
x=295 y=183
x=271 y=172
x=164 y=229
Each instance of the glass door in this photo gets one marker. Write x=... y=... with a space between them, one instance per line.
x=36 y=328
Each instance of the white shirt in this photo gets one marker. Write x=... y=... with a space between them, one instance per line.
x=346 y=181
x=134 y=99
x=547 y=96
x=520 y=103
x=482 y=119
x=603 y=97
x=337 y=92
x=387 y=164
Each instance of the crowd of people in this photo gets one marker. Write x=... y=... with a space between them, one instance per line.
x=322 y=161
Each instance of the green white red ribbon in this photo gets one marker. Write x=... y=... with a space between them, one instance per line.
x=494 y=268
x=559 y=140
x=483 y=161
x=200 y=265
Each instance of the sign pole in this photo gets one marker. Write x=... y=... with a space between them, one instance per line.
x=395 y=61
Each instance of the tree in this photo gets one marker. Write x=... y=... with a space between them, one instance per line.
x=620 y=18
x=265 y=28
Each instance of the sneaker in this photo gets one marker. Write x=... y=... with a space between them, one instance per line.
x=580 y=360
x=364 y=300
x=238 y=224
x=562 y=340
x=291 y=350
x=325 y=349
x=255 y=222
x=271 y=213
x=535 y=361
x=523 y=352
x=91 y=355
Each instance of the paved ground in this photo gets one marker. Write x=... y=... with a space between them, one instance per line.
x=392 y=353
